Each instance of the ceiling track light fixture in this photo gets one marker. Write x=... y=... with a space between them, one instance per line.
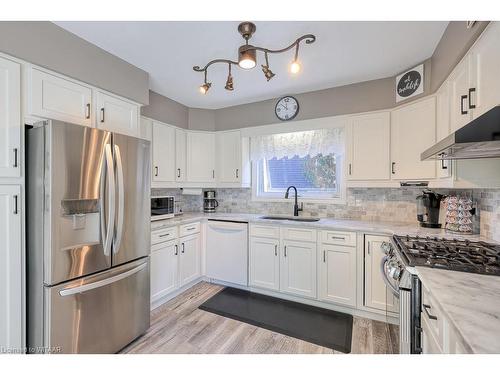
x=247 y=57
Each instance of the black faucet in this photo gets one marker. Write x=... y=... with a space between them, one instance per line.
x=296 y=208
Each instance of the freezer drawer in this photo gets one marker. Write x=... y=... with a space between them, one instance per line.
x=100 y=313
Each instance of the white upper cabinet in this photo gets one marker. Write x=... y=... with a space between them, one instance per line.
x=117 y=115
x=443 y=125
x=369 y=137
x=11 y=307
x=10 y=118
x=163 y=153
x=180 y=155
x=61 y=99
x=200 y=157
x=485 y=71
x=413 y=130
x=228 y=156
x=146 y=129
x=460 y=82
x=233 y=159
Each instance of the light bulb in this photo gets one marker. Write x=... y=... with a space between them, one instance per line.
x=246 y=63
x=204 y=88
x=295 y=67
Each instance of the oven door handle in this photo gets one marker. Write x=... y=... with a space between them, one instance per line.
x=393 y=289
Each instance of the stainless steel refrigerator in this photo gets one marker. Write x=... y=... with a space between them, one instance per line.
x=88 y=238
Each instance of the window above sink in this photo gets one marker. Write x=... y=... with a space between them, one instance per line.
x=312 y=161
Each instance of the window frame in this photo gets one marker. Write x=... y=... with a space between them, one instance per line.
x=339 y=198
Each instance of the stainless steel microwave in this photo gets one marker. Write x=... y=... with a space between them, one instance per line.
x=162 y=207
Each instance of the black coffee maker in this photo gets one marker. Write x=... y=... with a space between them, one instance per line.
x=428 y=205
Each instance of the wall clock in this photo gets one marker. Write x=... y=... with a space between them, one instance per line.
x=286 y=108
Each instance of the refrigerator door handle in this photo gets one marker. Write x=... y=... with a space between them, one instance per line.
x=121 y=201
x=98 y=284
x=107 y=226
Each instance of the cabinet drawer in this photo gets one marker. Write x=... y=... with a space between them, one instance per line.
x=163 y=235
x=339 y=238
x=265 y=231
x=299 y=234
x=433 y=317
x=187 y=229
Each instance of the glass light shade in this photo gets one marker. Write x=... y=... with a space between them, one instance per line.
x=295 y=67
x=246 y=58
x=204 y=88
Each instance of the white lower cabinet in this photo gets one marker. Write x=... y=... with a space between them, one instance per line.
x=11 y=306
x=189 y=261
x=264 y=263
x=298 y=268
x=377 y=294
x=175 y=261
x=164 y=269
x=337 y=274
x=279 y=262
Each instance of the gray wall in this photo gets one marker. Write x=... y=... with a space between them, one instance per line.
x=48 y=45
x=166 y=110
x=201 y=119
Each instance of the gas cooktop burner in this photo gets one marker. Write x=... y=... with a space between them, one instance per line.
x=455 y=255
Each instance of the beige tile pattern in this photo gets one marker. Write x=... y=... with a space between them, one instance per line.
x=179 y=327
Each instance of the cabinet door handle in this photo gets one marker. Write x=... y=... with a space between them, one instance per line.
x=350 y=169
x=87 y=111
x=178 y=172
x=443 y=164
x=16 y=210
x=192 y=228
x=15 y=158
x=156 y=171
x=337 y=238
x=176 y=250
x=213 y=173
x=471 y=90
x=164 y=235
x=237 y=173
x=430 y=316
x=183 y=248
x=324 y=256
x=393 y=167
x=102 y=114
x=285 y=251
x=368 y=248
x=462 y=110
x=275 y=250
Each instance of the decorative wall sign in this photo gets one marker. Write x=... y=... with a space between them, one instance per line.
x=410 y=83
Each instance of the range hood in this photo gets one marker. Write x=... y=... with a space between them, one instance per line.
x=480 y=138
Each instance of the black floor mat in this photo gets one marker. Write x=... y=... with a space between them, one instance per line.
x=319 y=326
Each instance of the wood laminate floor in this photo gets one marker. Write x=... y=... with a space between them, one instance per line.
x=179 y=327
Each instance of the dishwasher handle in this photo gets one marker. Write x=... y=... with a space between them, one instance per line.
x=228 y=227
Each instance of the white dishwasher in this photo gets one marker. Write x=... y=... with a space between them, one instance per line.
x=227 y=251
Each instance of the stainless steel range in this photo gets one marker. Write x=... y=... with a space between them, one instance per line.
x=449 y=254
x=406 y=252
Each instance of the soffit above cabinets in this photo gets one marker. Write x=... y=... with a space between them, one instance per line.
x=344 y=53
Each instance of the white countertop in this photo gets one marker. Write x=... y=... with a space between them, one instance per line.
x=471 y=302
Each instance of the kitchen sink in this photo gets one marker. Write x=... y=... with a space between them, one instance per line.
x=291 y=218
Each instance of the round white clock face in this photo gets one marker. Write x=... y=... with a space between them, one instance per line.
x=286 y=108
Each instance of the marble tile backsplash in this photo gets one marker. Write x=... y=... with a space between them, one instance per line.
x=367 y=204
